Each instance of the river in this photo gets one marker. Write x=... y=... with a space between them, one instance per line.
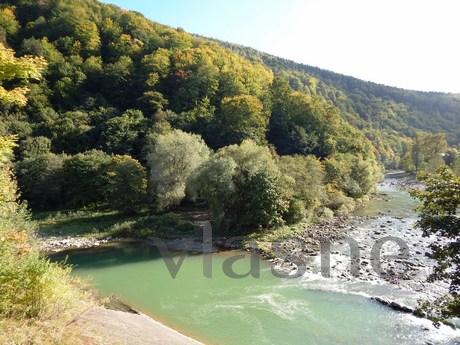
x=311 y=309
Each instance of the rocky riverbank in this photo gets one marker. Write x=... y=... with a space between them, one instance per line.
x=53 y=244
x=307 y=243
x=393 y=258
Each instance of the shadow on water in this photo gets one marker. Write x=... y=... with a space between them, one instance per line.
x=109 y=256
x=115 y=254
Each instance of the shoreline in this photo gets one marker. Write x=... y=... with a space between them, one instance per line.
x=305 y=243
x=112 y=326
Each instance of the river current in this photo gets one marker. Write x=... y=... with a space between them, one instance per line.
x=311 y=309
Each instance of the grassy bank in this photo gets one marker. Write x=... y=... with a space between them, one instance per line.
x=101 y=224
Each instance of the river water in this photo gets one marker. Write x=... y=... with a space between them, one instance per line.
x=270 y=310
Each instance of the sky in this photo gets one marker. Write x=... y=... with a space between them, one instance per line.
x=413 y=44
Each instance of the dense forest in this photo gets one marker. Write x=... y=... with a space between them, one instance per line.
x=132 y=114
x=367 y=104
x=104 y=111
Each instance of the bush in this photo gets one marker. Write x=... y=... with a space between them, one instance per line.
x=325 y=213
x=296 y=211
x=337 y=200
x=30 y=286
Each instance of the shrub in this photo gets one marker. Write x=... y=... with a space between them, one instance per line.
x=296 y=211
x=325 y=213
x=336 y=200
x=30 y=286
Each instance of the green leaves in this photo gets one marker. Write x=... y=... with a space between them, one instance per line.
x=243 y=187
x=239 y=118
x=17 y=69
x=172 y=158
x=440 y=204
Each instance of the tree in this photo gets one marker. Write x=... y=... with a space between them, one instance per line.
x=29 y=284
x=172 y=159
x=308 y=174
x=127 y=184
x=8 y=23
x=263 y=199
x=214 y=182
x=71 y=132
x=123 y=134
x=352 y=174
x=440 y=202
x=195 y=76
x=240 y=117
x=243 y=187
x=34 y=146
x=85 y=178
x=305 y=124
x=41 y=180
x=295 y=126
x=197 y=120
x=427 y=150
x=12 y=69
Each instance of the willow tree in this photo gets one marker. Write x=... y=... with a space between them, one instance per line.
x=172 y=159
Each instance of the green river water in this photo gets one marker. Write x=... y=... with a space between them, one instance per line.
x=228 y=311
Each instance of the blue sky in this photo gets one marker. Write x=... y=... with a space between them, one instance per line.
x=407 y=43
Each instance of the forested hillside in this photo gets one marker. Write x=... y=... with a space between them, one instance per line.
x=367 y=104
x=131 y=113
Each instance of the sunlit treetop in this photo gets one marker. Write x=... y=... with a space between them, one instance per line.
x=18 y=71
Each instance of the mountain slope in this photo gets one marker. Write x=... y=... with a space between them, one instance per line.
x=377 y=106
x=115 y=78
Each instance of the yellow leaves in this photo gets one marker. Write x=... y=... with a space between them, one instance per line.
x=18 y=237
x=7 y=144
x=8 y=20
x=22 y=69
x=158 y=62
x=14 y=96
x=26 y=67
